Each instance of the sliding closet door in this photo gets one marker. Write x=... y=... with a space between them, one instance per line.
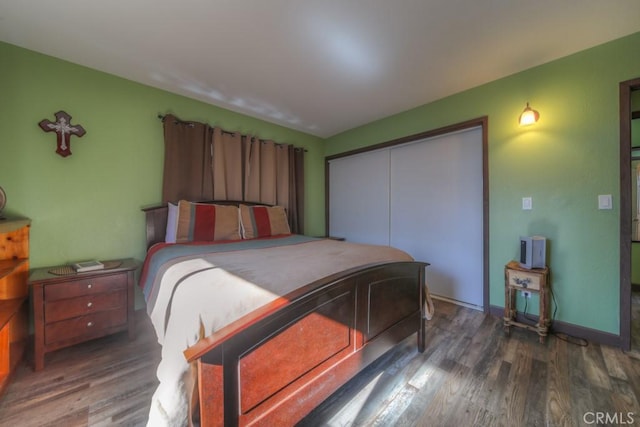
x=437 y=211
x=359 y=197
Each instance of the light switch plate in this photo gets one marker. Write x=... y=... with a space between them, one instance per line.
x=604 y=201
x=527 y=203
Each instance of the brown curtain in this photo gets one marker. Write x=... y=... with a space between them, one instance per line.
x=187 y=161
x=260 y=171
x=282 y=175
x=204 y=163
x=274 y=174
x=296 y=189
x=227 y=165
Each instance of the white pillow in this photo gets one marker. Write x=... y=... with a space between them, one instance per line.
x=172 y=223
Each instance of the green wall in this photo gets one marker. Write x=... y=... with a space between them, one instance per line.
x=88 y=204
x=563 y=162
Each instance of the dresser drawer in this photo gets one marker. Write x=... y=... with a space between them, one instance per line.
x=85 y=286
x=91 y=325
x=57 y=310
x=524 y=279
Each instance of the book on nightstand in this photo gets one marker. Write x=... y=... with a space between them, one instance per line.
x=84 y=266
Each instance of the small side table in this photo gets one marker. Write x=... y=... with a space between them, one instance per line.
x=534 y=280
x=70 y=308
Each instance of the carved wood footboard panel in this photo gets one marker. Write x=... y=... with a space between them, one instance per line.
x=277 y=364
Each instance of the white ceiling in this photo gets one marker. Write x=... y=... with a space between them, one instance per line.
x=318 y=66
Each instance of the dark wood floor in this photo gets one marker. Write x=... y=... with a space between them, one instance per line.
x=104 y=382
x=470 y=374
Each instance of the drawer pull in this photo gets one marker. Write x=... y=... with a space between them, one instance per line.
x=522 y=282
x=89 y=304
x=89 y=324
x=89 y=286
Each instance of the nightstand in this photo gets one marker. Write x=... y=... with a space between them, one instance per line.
x=70 y=308
x=535 y=280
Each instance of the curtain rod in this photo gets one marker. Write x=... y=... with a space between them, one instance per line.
x=191 y=124
x=176 y=120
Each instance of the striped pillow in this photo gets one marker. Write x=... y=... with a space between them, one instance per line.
x=206 y=222
x=263 y=221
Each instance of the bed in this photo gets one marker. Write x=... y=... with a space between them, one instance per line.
x=261 y=330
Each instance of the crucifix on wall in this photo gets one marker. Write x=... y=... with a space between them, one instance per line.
x=63 y=129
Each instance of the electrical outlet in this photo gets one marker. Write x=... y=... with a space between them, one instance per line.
x=526 y=294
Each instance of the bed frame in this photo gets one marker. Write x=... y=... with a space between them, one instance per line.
x=276 y=364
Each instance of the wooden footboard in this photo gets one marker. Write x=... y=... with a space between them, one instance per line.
x=273 y=366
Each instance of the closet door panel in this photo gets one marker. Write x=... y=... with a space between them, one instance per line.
x=436 y=211
x=359 y=197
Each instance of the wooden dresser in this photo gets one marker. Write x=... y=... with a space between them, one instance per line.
x=14 y=310
x=72 y=308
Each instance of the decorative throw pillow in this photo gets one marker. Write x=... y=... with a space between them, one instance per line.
x=263 y=221
x=206 y=222
x=172 y=223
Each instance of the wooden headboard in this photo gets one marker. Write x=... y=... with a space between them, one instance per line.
x=156 y=218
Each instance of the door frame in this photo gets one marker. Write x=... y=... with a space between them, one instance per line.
x=625 y=88
x=483 y=123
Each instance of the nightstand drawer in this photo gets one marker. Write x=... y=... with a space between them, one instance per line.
x=86 y=286
x=55 y=311
x=91 y=325
x=524 y=279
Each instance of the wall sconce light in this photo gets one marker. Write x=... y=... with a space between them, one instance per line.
x=529 y=116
